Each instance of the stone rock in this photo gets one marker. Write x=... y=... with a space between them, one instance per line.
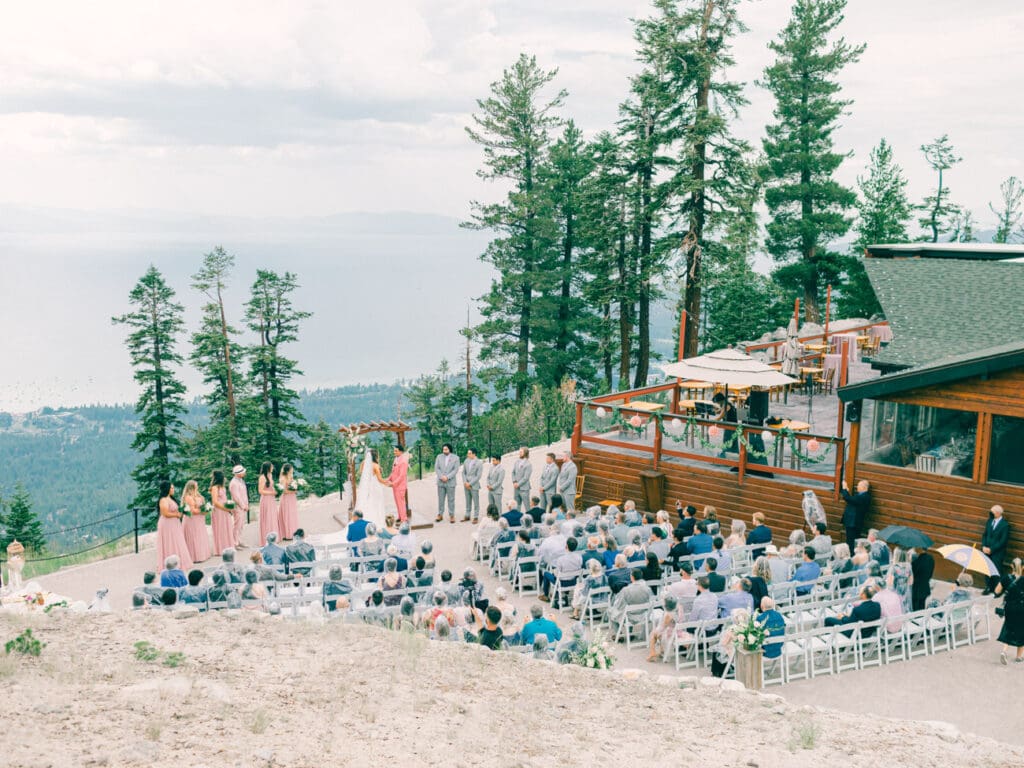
x=265 y=755
x=687 y=681
x=211 y=689
x=631 y=673
x=733 y=686
x=945 y=731
x=771 y=699
x=710 y=682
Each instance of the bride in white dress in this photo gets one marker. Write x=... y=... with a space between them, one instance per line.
x=371 y=499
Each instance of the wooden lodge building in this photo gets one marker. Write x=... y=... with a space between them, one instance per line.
x=939 y=434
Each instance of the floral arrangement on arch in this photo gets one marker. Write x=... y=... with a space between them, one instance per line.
x=355 y=443
x=595 y=656
x=747 y=633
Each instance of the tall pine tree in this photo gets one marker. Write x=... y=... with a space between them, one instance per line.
x=806 y=204
x=21 y=523
x=513 y=127
x=218 y=357
x=1008 y=214
x=155 y=324
x=939 y=213
x=883 y=211
x=270 y=314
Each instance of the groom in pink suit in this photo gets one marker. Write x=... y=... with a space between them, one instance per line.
x=398 y=481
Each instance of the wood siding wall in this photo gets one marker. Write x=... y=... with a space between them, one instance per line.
x=778 y=499
x=1002 y=393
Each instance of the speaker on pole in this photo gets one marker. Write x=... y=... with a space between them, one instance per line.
x=853 y=411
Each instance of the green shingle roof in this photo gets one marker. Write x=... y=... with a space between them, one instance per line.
x=941 y=308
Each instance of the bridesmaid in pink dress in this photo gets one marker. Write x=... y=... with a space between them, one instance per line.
x=223 y=536
x=196 y=536
x=268 y=503
x=170 y=539
x=289 y=507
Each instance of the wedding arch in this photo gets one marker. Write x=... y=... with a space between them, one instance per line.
x=354 y=436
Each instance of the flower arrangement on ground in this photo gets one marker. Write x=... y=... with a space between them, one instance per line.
x=595 y=656
x=747 y=633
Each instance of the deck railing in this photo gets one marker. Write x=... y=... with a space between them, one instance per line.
x=745 y=448
x=773 y=346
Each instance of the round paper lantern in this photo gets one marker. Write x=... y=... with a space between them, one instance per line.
x=677 y=424
x=714 y=431
x=767 y=436
x=813 y=445
x=601 y=413
x=636 y=421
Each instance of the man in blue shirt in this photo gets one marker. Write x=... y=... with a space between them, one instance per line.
x=759 y=534
x=775 y=625
x=172 y=575
x=356 y=530
x=807 y=572
x=700 y=543
x=539 y=624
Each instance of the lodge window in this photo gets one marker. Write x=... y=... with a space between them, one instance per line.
x=1006 y=459
x=919 y=437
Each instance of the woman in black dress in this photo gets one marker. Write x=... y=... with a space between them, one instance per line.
x=1012 y=634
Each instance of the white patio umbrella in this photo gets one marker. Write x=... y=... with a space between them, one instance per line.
x=792 y=351
x=729 y=367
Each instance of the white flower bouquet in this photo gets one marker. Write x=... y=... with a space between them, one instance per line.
x=229 y=504
x=279 y=488
x=186 y=510
x=595 y=656
x=747 y=633
x=207 y=508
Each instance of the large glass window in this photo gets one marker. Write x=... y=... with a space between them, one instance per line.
x=918 y=437
x=1006 y=459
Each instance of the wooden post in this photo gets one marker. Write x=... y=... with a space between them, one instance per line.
x=828 y=308
x=577 y=431
x=743 y=458
x=657 y=442
x=840 y=458
x=844 y=352
x=851 y=454
x=682 y=335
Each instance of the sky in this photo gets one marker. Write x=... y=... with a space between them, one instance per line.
x=148 y=117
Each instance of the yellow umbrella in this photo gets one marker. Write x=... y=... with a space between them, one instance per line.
x=969 y=558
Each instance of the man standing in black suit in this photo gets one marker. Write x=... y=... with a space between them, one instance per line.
x=993 y=543
x=856 y=511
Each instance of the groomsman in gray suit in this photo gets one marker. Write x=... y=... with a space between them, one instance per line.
x=472 y=472
x=521 y=472
x=446 y=467
x=567 y=482
x=548 y=482
x=495 y=482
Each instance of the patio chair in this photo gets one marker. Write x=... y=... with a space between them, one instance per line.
x=615 y=494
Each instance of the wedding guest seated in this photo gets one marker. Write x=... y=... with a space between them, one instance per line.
x=611 y=551
x=552 y=548
x=169 y=598
x=652 y=571
x=420 y=575
x=595 y=578
x=797 y=543
x=780 y=568
x=774 y=624
x=541 y=651
x=406 y=619
x=807 y=572
x=661 y=520
x=299 y=552
x=961 y=592
x=539 y=624
x=390 y=529
x=512 y=515
x=630 y=513
x=563 y=570
x=336 y=587
x=677 y=551
x=593 y=552
x=842 y=563
x=525 y=549
x=502 y=543
x=172 y=575
x=265 y=572
x=661 y=642
x=450 y=588
x=715 y=579
x=491 y=636
x=686 y=586
x=403 y=546
x=574 y=645
x=710 y=518
x=152 y=591
x=536 y=511
x=221 y=591
x=373 y=545
x=705 y=605
x=878 y=548
x=760 y=577
x=439 y=610
x=391 y=582
x=487 y=527
x=620 y=531
x=687 y=521
x=637 y=593
x=531 y=530
x=700 y=543
x=634 y=551
x=861 y=556
x=234 y=573
x=620 y=575
x=427 y=553
x=718 y=551
x=759 y=534
x=658 y=544
x=194 y=592
x=557 y=510
x=253 y=590
x=442 y=630
x=356 y=530
x=736 y=598
x=509 y=615
x=866 y=610
x=471 y=590
x=375 y=611
x=822 y=542
x=271 y=553
x=737 y=535
x=890 y=605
